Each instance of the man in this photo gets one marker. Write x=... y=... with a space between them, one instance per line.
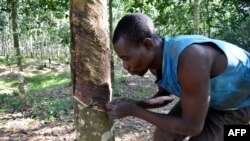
x=211 y=77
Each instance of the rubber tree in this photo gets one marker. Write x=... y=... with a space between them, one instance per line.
x=196 y=5
x=111 y=44
x=14 y=5
x=90 y=69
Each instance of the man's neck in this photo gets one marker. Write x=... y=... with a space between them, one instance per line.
x=157 y=64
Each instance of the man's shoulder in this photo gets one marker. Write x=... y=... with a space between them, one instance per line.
x=179 y=38
x=176 y=44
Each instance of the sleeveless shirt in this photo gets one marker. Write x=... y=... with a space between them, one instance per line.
x=229 y=90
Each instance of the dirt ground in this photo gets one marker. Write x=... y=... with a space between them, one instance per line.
x=20 y=126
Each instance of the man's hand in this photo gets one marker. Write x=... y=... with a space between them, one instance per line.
x=161 y=100
x=156 y=101
x=120 y=108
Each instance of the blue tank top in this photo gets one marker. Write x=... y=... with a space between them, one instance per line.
x=229 y=90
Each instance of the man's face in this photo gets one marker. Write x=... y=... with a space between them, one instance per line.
x=136 y=58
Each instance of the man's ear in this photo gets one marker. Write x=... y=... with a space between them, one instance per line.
x=148 y=43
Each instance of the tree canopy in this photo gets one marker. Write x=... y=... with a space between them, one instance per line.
x=44 y=24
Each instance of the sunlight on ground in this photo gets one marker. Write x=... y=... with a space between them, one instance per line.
x=36 y=77
x=27 y=129
x=49 y=113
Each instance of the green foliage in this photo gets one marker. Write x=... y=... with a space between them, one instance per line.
x=47 y=80
x=120 y=79
x=8 y=82
x=9 y=103
x=11 y=60
x=177 y=17
x=142 y=92
x=7 y=61
x=44 y=102
x=122 y=87
x=43 y=27
x=239 y=36
x=2 y=60
x=35 y=80
x=49 y=107
x=117 y=92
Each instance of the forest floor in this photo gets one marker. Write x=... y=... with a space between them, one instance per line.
x=34 y=122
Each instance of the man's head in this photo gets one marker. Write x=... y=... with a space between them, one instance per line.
x=134 y=27
x=134 y=41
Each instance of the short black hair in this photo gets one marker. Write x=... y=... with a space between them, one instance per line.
x=134 y=27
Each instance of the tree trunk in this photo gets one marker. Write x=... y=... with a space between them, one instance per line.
x=31 y=48
x=196 y=16
x=90 y=69
x=15 y=34
x=111 y=45
x=208 y=19
x=3 y=51
x=18 y=55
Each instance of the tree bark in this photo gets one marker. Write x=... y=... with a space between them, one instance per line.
x=21 y=90
x=15 y=33
x=208 y=18
x=3 y=51
x=90 y=69
x=196 y=16
x=111 y=44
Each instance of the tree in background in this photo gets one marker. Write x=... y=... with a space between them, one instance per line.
x=196 y=5
x=44 y=28
x=44 y=24
x=90 y=68
x=239 y=36
x=110 y=43
x=16 y=33
x=211 y=18
x=4 y=29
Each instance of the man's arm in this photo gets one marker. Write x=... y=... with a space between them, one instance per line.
x=194 y=68
x=160 y=99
